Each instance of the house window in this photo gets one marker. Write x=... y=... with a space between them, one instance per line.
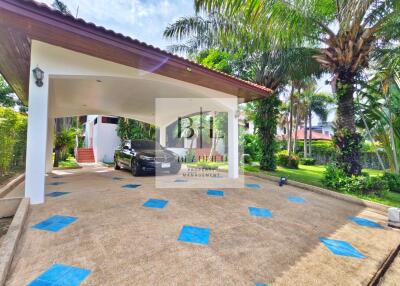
x=109 y=120
x=95 y=121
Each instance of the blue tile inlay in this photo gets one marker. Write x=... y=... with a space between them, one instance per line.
x=56 y=183
x=297 y=200
x=260 y=212
x=261 y=284
x=365 y=222
x=193 y=234
x=341 y=248
x=117 y=178
x=55 y=223
x=61 y=275
x=180 y=181
x=131 y=186
x=253 y=186
x=154 y=203
x=215 y=193
x=57 y=177
x=56 y=194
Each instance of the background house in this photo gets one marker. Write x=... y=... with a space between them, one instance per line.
x=100 y=139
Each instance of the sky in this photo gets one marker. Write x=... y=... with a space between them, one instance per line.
x=144 y=20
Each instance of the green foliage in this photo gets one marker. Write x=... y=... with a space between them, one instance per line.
x=337 y=179
x=134 y=129
x=266 y=119
x=307 y=161
x=12 y=138
x=64 y=141
x=251 y=148
x=348 y=152
x=284 y=160
x=393 y=182
x=317 y=146
x=215 y=59
x=60 y=6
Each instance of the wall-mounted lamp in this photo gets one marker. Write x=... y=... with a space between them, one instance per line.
x=38 y=74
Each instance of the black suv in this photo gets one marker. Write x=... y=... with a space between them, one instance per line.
x=145 y=156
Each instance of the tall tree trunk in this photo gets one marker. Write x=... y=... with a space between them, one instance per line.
x=296 y=124
x=57 y=151
x=310 y=133
x=305 y=134
x=392 y=141
x=266 y=120
x=346 y=137
x=290 y=121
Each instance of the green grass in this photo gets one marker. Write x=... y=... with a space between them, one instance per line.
x=69 y=163
x=313 y=175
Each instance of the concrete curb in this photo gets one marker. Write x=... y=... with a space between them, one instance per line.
x=339 y=196
x=10 y=241
x=67 y=168
x=11 y=185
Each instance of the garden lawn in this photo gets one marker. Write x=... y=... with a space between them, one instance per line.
x=313 y=175
x=69 y=163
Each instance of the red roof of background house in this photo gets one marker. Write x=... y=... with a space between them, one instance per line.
x=300 y=135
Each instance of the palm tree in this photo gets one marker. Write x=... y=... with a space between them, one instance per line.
x=271 y=68
x=362 y=25
x=381 y=115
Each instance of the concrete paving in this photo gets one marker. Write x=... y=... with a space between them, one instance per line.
x=124 y=243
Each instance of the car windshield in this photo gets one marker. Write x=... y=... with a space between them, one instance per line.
x=145 y=144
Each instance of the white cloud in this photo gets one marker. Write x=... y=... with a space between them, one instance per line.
x=144 y=20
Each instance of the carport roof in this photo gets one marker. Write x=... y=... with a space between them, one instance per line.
x=23 y=21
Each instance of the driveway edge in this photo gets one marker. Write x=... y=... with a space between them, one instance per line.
x=10 y=240
x=326 y=192
x=11 y=185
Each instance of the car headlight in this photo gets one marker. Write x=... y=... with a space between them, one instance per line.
x=143 y=157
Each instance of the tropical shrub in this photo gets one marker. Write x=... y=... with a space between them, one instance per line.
x=251 y=148
x=65 y=142
x=134 y=129
x=12 y=139
x=335 y=178
x=287 y=161
x=307 y=161
x=393 y=182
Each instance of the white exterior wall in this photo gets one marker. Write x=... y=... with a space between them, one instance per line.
x=105 y=139
x=76 y=84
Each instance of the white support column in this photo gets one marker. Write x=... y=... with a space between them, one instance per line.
x=37 y=140
x=163 y=135
x=50 y=144
x=233 y=144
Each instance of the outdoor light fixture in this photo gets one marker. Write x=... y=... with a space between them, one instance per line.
x=282 y=181
x=38 y=74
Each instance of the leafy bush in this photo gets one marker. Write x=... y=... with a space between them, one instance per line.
x=335 y=178
x=251 y=148
x=284 y=160
x=393 y=182
x=318 y=146
x=64 y=141
x=12 y=139
x=307 y=161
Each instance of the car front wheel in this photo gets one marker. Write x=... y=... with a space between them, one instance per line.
x=135 y=168
x=116 y=165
